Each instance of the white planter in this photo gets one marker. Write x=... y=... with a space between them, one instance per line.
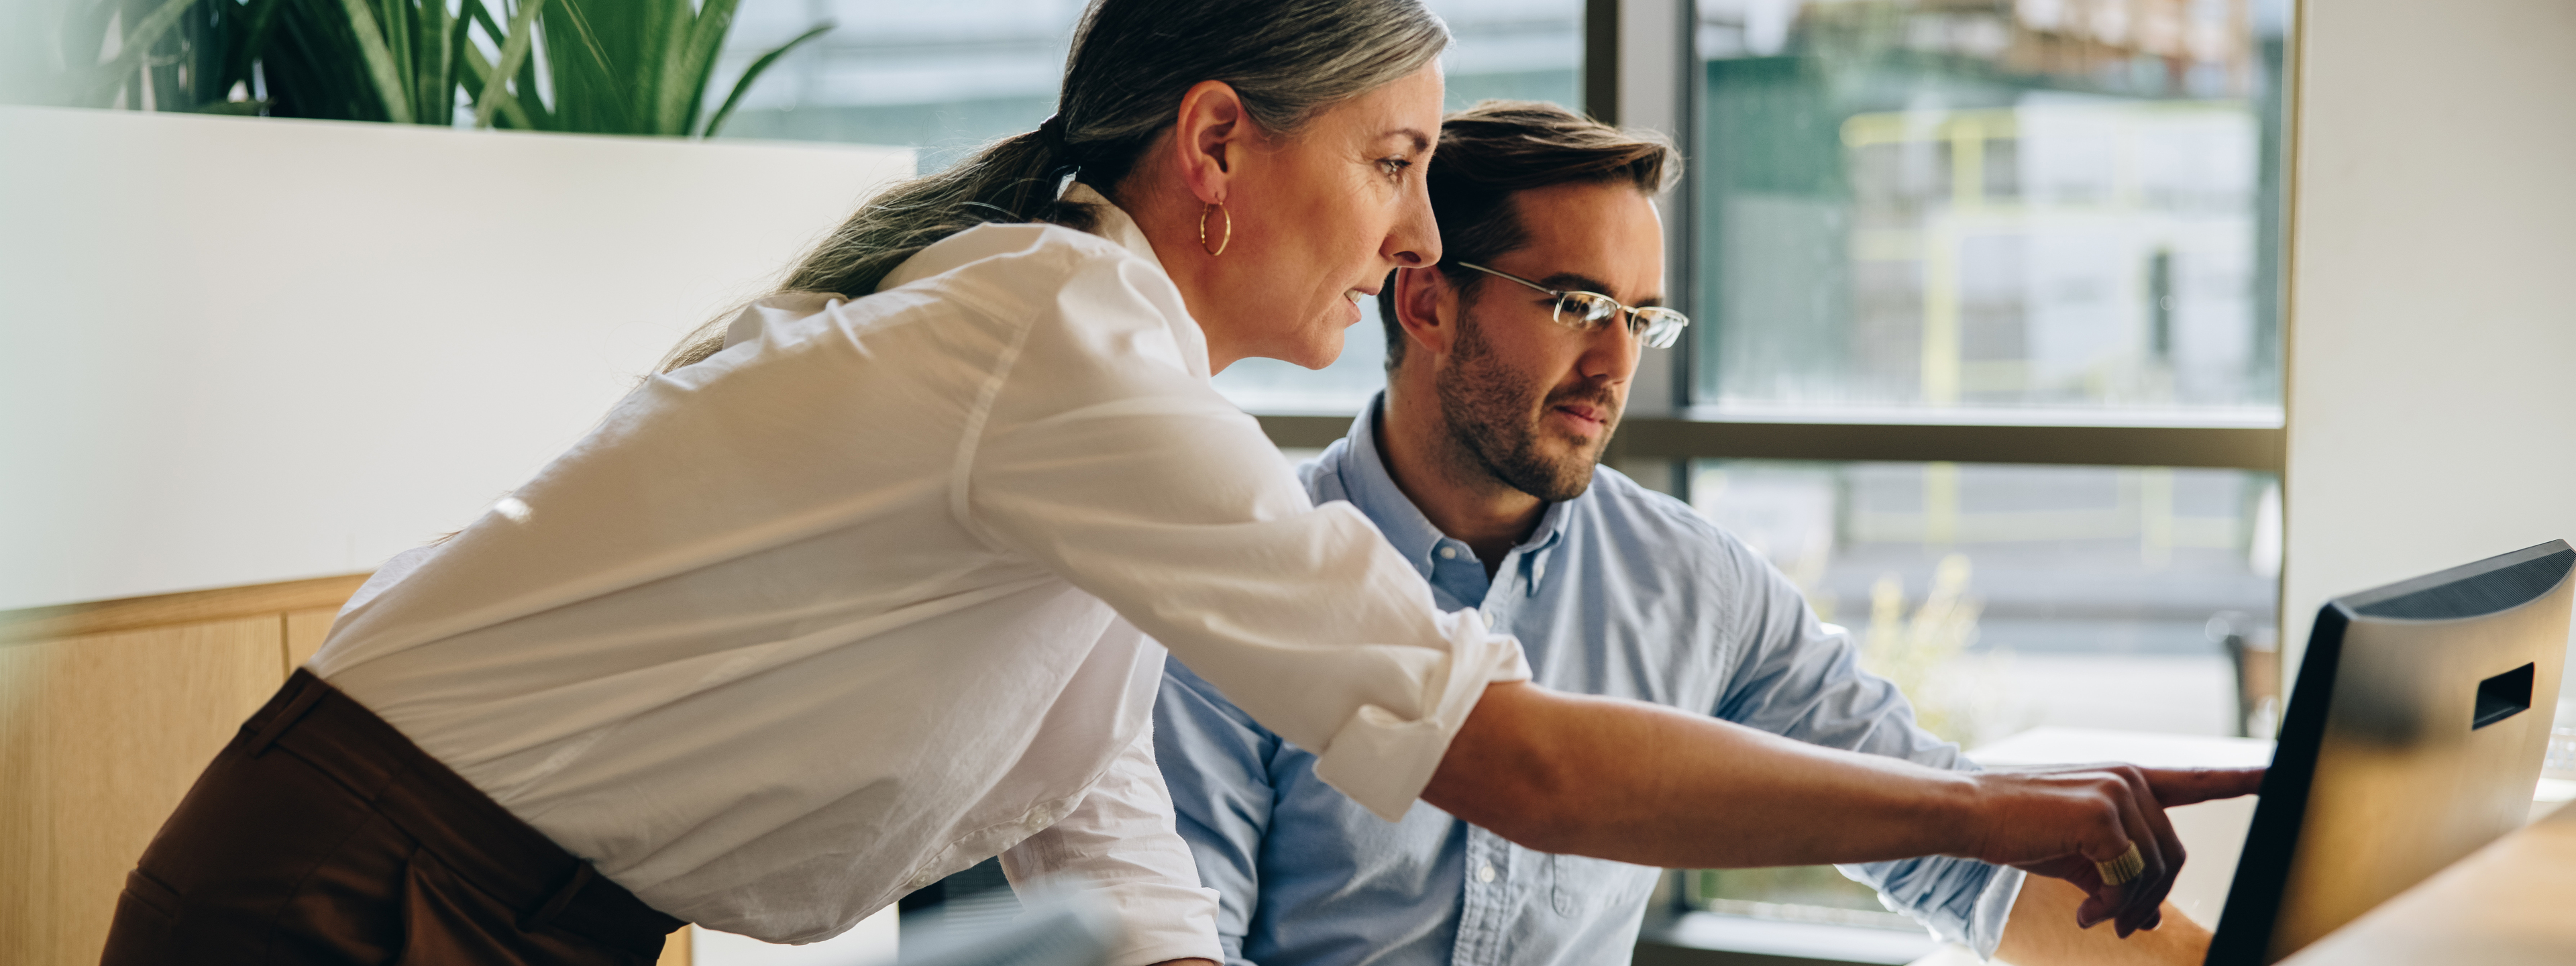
x=244 y=350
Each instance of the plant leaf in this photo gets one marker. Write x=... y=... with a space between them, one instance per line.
x=514 y=52
x=607 y=110
x=704 y=46
x=485 y=79
x=527 y=114
x=753 y=73
x=395 y=17
x=379 y=61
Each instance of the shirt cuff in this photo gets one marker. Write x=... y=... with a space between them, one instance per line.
x=1382 y=760
x=1160 y=921
x=1994 y=908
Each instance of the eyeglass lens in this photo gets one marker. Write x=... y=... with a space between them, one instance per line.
x=1656 y=327
x=1590 y=308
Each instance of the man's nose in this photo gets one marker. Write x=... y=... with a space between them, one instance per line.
x=1614 y=350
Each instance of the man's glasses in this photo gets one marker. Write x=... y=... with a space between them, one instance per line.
x=1588 y=311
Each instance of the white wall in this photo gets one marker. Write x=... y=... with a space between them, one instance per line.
x=244 y=350
x=2432 y=409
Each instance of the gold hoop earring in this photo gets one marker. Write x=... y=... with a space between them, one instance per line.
x=1222 y=240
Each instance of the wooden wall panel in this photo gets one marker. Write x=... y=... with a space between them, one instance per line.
x=676 y=951
x=305 y=630
x=100 y=736
x=165 y=610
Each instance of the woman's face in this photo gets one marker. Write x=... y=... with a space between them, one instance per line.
x=1320 y=218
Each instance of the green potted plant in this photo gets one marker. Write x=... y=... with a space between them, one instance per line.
x=608 y=66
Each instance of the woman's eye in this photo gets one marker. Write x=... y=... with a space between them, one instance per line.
x=1394 y=167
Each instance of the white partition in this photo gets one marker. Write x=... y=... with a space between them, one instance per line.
x=242 y=350
x=2432 y=409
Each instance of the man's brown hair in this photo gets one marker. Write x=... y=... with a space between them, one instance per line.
x=1495 y=149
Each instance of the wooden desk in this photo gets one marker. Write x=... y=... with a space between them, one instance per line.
x=2509 y=904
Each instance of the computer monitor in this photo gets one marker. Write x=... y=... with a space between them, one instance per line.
x=2409 y=741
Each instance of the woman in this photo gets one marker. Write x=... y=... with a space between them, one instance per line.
x=870 y=587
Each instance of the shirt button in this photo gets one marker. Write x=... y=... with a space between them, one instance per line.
x=1485 y=873
x=1448 y=553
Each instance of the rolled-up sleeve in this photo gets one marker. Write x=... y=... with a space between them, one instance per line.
x=1101 y=454
x=1802 y=678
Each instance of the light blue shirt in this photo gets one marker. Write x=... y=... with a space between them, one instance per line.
x=1621 y=591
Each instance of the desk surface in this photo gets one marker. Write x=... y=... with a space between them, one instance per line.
x=2511 y=903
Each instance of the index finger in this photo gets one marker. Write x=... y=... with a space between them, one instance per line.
x=2184 y=786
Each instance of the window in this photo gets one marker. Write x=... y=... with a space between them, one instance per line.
x=2008 y=597
x=945 y=78
x=1942 y=210
x=1968 y=272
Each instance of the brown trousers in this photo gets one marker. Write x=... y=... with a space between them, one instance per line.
x=322 y=835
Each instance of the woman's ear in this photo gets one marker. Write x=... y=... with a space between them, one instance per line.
x=1210 y=138
x=1426 y=307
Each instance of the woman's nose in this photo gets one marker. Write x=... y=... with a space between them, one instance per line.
x=1414 y=240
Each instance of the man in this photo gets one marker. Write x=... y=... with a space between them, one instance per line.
x=1479 y=463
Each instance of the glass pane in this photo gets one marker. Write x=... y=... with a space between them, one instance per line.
x=2003 y=598
x=942 y=77
x=2007 y=597
x=1920 y=210
x=1520 y=49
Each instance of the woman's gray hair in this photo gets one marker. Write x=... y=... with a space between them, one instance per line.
x=1132 y=60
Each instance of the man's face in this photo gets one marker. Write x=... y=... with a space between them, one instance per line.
x=1532 y=400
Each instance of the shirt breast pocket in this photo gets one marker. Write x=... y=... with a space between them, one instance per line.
x=1587 y=887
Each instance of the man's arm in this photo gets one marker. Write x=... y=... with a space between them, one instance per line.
x=1791 y=674
x=2043 y=931
x=1655 y=786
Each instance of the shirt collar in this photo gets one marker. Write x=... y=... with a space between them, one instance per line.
x=1367 y=484
x=1112 y=222
x=1109 y=221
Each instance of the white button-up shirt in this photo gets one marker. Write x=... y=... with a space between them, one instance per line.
x=865 y=598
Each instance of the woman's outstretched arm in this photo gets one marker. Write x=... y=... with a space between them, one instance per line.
x=1641 y=783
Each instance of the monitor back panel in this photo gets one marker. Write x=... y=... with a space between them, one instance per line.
x=2414 y=737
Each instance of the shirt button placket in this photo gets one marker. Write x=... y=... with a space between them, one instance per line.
x=1487 y=916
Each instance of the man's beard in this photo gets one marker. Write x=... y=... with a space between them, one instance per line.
x=1490 y=416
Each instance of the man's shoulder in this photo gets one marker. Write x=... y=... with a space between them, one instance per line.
x=1621 y=501
x=1322 y=476
x=1662 y=535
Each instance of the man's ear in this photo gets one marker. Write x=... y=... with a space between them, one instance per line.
x=1426 y=306
x=1210 y=138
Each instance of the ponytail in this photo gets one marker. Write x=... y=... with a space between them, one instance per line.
x=1011 y=180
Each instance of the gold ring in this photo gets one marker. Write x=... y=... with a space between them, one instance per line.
x=2120 y=870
